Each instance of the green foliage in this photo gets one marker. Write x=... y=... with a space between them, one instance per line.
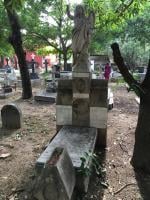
x=14 y=4
x=86 y=168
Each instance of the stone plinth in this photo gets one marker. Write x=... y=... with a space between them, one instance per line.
x=82 y=101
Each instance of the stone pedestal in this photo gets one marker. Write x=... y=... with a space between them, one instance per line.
x=82 y=101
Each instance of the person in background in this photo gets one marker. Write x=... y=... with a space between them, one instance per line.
x=107 y=71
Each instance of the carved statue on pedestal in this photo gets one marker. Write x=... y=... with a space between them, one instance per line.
x=81 y=36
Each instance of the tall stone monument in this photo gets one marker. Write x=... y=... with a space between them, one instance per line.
x=82 y=101
x=81 y=106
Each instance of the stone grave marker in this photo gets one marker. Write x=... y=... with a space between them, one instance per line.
x=81 y=104
x=11 y=116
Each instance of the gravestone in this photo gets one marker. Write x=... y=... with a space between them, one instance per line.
x=81 y=105
x=11 y=116
x=48 y=94
x=33 y=74
x=57 y=179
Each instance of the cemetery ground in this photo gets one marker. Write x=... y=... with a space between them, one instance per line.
x=21 y=148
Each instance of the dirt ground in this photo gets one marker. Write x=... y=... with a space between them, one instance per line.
x=117 y=180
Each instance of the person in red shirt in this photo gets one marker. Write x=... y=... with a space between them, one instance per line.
x=107 y=71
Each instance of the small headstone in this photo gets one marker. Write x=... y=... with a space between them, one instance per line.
x=57 y=179
x=11 y=116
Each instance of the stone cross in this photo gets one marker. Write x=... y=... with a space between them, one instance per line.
x=33 y=65
x=46 y=65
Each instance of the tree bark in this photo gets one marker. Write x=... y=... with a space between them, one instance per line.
x=65 y=60
x=16 y=41
x=141 y=154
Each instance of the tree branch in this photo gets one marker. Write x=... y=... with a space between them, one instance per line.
x=146 y=82
x=122 y=67
x=125 y=72
x=124 y=8
x=45 y=39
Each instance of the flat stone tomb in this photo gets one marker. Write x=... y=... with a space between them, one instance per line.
x=45 y=96
x=77 y=141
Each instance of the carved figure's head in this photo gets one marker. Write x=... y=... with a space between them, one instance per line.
x=79 y=11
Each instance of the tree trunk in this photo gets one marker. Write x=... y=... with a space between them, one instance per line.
x=141 y=154
x=65 y=60
x=16 y=41
x=2 y=61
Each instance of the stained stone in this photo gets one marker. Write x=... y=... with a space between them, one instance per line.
x=81 y=85
x=64 y=97
x=81 y=112
x=77 y=141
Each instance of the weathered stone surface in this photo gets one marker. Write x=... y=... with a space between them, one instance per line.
x=64 y=97
x=11 y=116
x=77 y=141
x=98 y=97
x=81 y=74
x=98 y=93
x=81 y=112
x=81 y=85
x=65 y=84
x=98 y=117
x=57 y=179
x=45 y=97
x=63 y=115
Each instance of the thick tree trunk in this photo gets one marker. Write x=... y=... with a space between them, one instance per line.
x=16 y=41
x=141 y=154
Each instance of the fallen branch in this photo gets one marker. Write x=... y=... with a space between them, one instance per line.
x=123 y=187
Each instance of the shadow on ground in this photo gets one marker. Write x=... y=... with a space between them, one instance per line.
x=143 y=181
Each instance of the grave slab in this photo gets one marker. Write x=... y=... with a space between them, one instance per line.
x=77 y=141
x=45 y=97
